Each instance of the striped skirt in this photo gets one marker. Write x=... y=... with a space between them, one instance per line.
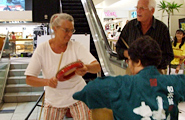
x=79 y=111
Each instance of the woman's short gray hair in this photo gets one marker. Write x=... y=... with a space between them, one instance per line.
x=55 y=20
x=151 y=4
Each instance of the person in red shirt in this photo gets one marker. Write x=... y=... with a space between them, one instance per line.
x=13 y=43
x=13 y=36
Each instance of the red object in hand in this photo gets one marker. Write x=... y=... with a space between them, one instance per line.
x=68 y=71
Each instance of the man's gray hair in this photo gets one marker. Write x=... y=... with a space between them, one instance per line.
x=151 y=4
x=55 y=20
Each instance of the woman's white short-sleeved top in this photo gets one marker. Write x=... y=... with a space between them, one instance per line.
x=46 y=60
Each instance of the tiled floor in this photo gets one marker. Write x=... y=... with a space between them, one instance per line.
x=19 y=111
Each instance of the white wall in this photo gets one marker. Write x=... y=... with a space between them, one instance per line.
x=15 y=15
x=173 y=22
x=97 y=1
x=100 y=13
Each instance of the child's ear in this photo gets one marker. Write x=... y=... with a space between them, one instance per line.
x=139 y=63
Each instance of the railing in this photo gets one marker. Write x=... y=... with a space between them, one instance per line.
x=5 y=47
x=4 y=68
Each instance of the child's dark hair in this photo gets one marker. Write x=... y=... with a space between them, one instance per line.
x=147 y=50
x=175 y=39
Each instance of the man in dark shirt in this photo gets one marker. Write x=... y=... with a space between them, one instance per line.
x=146 y=24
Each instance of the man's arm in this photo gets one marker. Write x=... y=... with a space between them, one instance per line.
x=167 y=51
x=121 y=48
x=169 y=48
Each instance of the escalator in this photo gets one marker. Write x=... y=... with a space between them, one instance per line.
x=87 y=22
x=75 y=8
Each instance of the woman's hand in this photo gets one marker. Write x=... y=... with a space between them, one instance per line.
x=181 y=57
x=177 y=69
x=52 y=82
x=93 y=67
x=82 y=70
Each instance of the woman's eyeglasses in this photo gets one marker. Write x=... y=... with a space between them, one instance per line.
x=68 y=30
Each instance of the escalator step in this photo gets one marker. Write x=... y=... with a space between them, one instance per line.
x=74 y=11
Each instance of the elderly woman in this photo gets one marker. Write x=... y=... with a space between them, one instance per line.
x=53 y=55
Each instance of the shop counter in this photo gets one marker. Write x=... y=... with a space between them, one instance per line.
x=22 y=45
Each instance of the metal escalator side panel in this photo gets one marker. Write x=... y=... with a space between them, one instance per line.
x=99 y=37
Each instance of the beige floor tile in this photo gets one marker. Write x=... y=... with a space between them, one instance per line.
x=7 y=116
x=9 y=106
x=36 y=113
x=22 y=116
x=25 y=107
x=35 y=116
